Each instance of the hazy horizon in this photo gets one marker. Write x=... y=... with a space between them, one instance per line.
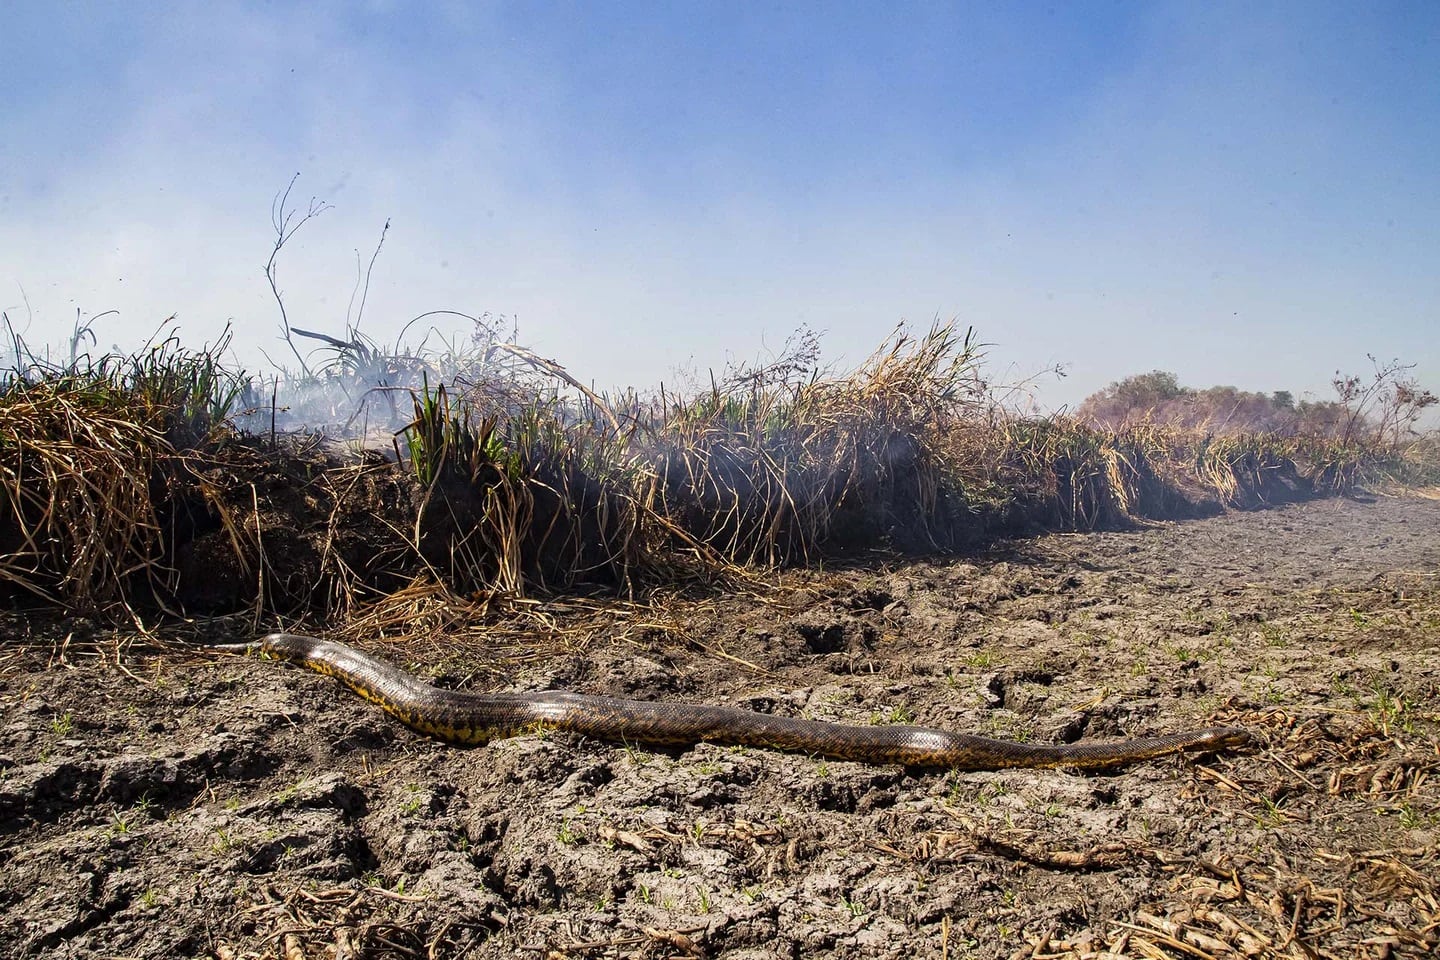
x=1238 y=194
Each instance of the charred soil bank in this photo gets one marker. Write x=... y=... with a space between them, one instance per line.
x=156 y=802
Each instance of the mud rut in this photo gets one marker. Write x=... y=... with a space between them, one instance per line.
x=183 y=805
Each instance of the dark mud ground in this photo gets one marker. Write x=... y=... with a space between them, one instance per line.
x=160 y=802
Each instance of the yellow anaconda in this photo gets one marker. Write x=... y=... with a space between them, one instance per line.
x=476 y=718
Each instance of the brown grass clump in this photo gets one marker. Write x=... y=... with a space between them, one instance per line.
x=86 y=452
x=75 y=478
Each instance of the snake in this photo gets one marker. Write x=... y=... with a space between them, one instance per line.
x=472 y=718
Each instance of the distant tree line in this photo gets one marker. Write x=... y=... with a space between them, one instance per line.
x=1385 y=405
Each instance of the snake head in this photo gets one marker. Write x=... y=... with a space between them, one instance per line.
x=244 y=649
x=276 y=646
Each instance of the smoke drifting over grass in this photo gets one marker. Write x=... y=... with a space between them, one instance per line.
x=478 y=467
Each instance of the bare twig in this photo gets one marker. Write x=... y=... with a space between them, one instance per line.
x=282 y=218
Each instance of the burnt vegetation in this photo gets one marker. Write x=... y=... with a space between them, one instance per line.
x=166 y=481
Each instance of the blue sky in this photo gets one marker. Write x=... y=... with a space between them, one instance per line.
x=1244 y=194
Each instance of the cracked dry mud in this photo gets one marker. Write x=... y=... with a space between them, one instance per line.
x=158 y=802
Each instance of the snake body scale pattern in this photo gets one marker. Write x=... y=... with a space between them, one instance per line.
x=465 y=717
